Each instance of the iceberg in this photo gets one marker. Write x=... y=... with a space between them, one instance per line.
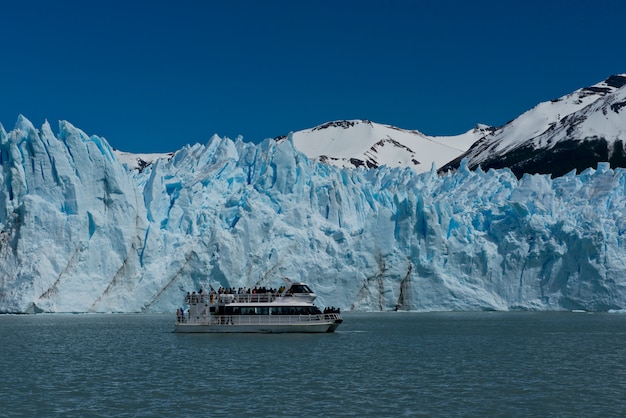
x=83 y=230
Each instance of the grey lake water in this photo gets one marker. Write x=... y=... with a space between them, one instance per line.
x=376 y=364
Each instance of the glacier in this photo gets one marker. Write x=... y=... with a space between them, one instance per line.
x=82 y=231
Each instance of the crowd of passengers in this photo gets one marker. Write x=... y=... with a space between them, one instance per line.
x=332 y=309
x=196 y=297
x=247 y=291
x=201 y=295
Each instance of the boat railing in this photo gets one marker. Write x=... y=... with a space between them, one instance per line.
x=254 y=297
x=332 y=316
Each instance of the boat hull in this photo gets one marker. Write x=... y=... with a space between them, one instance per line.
x=260 y=324
x=265 y=329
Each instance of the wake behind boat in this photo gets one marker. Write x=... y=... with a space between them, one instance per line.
x=288 y=309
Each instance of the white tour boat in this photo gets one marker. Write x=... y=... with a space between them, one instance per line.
x=290 y=309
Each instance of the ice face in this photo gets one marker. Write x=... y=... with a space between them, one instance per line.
x=79 y=232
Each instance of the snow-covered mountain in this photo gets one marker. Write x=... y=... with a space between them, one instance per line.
x=80 y=231
x=573 y=132
x=362 y=143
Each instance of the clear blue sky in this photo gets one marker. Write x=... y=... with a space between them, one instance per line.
x=152 y=76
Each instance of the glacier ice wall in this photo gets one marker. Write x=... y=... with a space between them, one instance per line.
x=79 y=232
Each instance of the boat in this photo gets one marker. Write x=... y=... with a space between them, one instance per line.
x=288 y=309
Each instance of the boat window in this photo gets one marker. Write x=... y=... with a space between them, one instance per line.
x=300 y=288
x=294 y=310
x=283 y=310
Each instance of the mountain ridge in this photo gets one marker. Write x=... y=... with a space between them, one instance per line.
x=573 y=132
x=363 y=143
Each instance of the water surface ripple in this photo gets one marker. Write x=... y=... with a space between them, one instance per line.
x=377 y=364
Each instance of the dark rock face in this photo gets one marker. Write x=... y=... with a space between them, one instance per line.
x=345 y=124
x=616 y=81
x=564 y=157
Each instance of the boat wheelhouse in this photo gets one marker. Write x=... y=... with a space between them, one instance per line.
x=290 y=309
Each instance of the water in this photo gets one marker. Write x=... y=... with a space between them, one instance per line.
x=391 y=364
